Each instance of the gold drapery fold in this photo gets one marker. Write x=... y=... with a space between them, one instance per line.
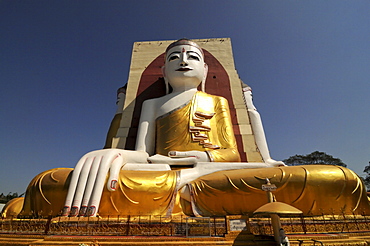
x=139 y=193
x=204 y=124
x=142 y=193
x=314 y=189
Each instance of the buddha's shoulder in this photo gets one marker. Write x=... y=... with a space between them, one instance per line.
x=215 y=98
x=205 y=94
x=154 y=101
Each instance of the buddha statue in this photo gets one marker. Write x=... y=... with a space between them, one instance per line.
x=186 y=160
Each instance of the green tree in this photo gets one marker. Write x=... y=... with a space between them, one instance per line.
x=10 y=196
x=315 y=157
x=367 y=178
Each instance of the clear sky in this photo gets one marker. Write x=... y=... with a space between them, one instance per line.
x=61 y=63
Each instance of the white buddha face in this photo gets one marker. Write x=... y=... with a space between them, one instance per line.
x=184 y=67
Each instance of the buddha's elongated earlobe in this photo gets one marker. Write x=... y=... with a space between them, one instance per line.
x=167 y=86
x=165 y=80
x=203 y=83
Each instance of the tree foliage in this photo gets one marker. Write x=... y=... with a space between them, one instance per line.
x=367 y=178
x=315 y=157
x=10 y=196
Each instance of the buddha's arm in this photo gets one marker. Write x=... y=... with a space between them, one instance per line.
x=145 y=140
x=257 y=127
x=89 y=175
x=115 y=124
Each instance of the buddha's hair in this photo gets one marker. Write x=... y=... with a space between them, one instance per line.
x=184 y=41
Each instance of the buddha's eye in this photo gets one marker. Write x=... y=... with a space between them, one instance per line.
x=175 y=57
x=194 y=57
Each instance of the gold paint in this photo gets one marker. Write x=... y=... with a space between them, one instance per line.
x=112 y=132
x=248 y=186
x=53 y=178
x=285 y=177
x=12 y=208
x=301 y=194
x=344 y=186
x=148 y=193
x=311 y=187
x=314 y=189
x=173 y=136
x=232 y=183
x=40 y=182
x=359 y=188
x=113 y=204
x=277 y=208
x=46 y=192
x=162 y=179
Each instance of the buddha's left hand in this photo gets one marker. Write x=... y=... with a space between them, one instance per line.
x=200 y=156
x=180 y=158
x=273 y=163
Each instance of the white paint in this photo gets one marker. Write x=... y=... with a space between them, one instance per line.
x=259 y=133
x=184 y=70
x=237 y=225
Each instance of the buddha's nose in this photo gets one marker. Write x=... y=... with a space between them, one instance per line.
x=183 y=63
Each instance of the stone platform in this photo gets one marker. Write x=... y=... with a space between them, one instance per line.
x=360 y=238
x=230 y=230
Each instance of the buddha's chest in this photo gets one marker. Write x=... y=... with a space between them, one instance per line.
x=172 y=103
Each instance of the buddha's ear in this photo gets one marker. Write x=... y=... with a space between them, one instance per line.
x=205 y=71
x=203 y=86
x=165 y=80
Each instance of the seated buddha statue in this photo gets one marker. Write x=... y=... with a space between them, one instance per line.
x=186 y=160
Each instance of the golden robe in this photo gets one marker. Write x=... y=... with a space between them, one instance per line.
x=314 y=189
x=204 y=124
x=139 y=193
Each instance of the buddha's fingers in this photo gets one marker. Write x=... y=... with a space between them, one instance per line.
x=161 y=159
x=201 y=156
x=117 y=164
x=89 y=186
x=94 y=202
x=80 y=190
x=73 y=185
x=184 y=161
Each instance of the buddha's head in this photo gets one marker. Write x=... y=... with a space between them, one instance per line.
x=184 y=65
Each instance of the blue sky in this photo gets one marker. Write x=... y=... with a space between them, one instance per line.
x=61 y=63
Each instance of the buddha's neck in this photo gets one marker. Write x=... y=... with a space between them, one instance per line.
x=174 y=100
x=184 y=91
x=181 y=96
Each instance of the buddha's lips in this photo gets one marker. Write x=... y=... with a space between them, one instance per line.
x=184 y=69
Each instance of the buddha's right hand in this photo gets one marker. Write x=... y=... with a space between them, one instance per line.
x=88 y=178
x=161 y=159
